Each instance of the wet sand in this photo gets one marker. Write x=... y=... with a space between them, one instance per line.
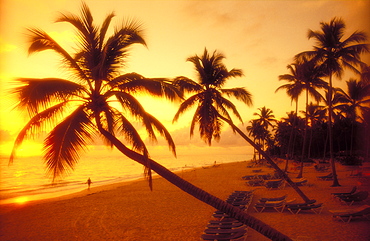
x=130 y=211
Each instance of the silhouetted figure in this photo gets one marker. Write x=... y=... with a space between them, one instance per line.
x=89 y=183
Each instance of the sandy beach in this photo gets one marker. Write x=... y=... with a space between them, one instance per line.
x=130 y=211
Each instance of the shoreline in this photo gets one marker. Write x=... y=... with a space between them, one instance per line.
x=20 y=201
x=130 y=211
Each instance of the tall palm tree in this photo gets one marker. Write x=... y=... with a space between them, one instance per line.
x=308 y=75
x=211 y=106
x=99 y=101
x=257 y=131
x=334 y=53
x=265 y=120
x=315 y=114
x=293 y=89
x=354 y=102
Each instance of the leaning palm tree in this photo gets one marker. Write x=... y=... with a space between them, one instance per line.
x=212 y=107
x=334 y=53
x=99 y=101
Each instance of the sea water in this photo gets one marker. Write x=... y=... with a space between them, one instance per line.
x=26 y=179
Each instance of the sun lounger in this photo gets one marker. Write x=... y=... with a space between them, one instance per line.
x=275 y=205
x=272 y=199
x=346 y=215
x=249 y=177
x=356 y=197
x=295 y=208
x=326 y=177
x=336 y=194
x=300 y=181
x=275 y=184
x=255 y=182
x=226 y=237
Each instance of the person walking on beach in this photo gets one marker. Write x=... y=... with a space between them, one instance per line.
x=88 y=183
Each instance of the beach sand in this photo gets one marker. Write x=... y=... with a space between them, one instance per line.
x=130 y=211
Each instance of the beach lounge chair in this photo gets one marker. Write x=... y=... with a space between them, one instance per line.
x=346 y=215
x=326 y=177
x=270 y=199
x=275 y=205
x=275 y=184
x=356 y=197
x=295 y=208
x=249 y=177
x=255 y=182
x=225 y=224
x=336 y=194
x=236 y=236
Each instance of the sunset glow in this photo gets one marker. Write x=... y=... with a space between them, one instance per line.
x=259 y=37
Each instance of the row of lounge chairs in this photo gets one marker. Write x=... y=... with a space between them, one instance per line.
x=269 y=184
x=280 y=203
x=351 y=198
x=268 y=176
x=227 y=228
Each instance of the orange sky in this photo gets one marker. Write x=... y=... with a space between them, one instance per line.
x=259 y=37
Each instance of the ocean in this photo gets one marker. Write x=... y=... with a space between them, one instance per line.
x=26 y=179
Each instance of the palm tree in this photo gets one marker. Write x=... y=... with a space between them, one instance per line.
x=308 y=75
x=99 y=101
x=354 y=102
x=334 y=53
x=211 y=106
x=257 y=131
x=265 y=120
x=293 y=89
x=314 y=114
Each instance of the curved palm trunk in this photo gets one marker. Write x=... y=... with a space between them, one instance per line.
x=198 y=193
x=268 y=158
x=332 y=162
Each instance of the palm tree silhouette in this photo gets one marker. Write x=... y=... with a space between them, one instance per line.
x=211 y=106
x=99 y=101
x=266 y=118
x=293 y=89
x=309 y=76
x=354 y=103
x=334 y=53
x=257 y=131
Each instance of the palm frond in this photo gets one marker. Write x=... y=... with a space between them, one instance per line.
x=115 y=49
x=187 y=85
x=40 y=41
x=158 y=87
x=104 y=29
x=35 y=125
x=65 y=141
x=34 y=94
x=188 y=103
x=163 y=132
x=240 y=94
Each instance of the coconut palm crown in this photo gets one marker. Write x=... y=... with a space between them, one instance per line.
x=96 y=97
x=209 y=94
